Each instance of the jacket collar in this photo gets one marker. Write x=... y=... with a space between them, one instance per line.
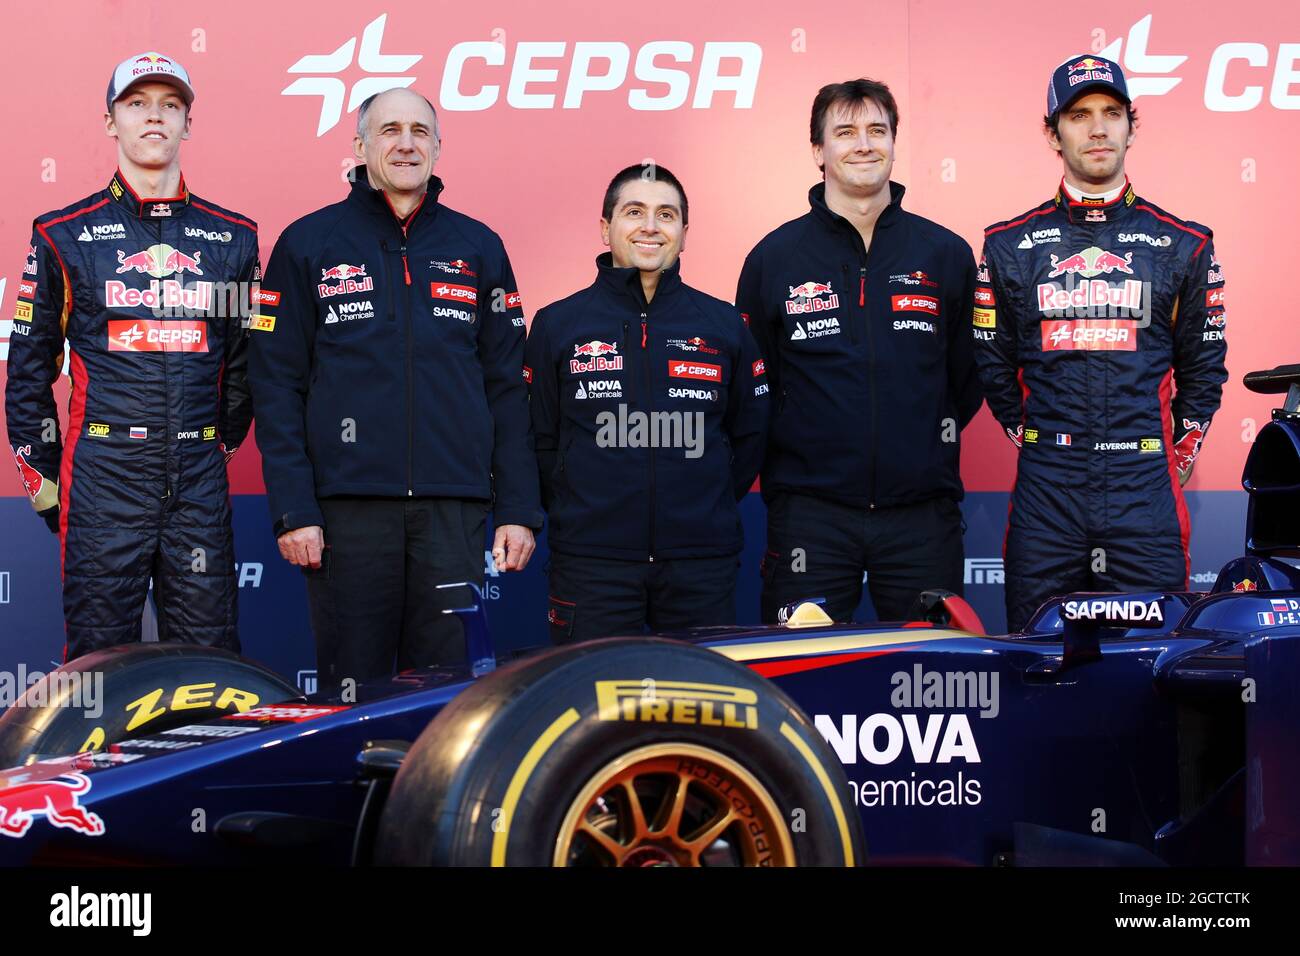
x=628 y=281
x=376 y=200
x=142 y=208
x=1117 y=208
x=817 y=200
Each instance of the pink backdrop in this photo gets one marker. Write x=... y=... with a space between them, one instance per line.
x=1217 y=143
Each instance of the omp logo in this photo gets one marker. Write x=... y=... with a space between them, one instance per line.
x=983 y=571
x=665 y=72
x=677 y=702
x=1222 y=93
x=332 y=89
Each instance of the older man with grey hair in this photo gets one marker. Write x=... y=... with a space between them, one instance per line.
x=392 y=414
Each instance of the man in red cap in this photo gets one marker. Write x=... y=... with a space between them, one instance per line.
x=149 y=287
x=1098 y=325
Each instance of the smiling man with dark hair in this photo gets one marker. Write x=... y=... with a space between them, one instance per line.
x=649 y=402
x=861 y=310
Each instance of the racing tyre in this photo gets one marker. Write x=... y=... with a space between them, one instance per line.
x=624 y=752
x=110 y=695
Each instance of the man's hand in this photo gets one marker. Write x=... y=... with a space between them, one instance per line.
x=511 y=547
x=51 y=516
x=303 y=546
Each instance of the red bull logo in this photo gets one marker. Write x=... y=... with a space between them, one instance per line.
x=158 y=261
x=595 y=347
x=602 y=357
x=809 y=290
x=342 y=271
x=153 y=58
x=1089 y=63
x=1091 y=262
x=344 y=279
x=1189 y=446
x=58 y=800
x=806 y=297
x=1090 y=68
x=32 y=479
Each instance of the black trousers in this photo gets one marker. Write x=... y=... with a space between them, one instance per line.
x=819 y=548
x=604 y=597
x=374 y=602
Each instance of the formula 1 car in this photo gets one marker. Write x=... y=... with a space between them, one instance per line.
x=1136 y=729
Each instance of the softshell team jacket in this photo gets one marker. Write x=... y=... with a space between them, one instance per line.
x=386 y=361
x=869 y=353
x=611 y=378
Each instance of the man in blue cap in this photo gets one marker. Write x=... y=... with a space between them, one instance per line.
x=1099 y=333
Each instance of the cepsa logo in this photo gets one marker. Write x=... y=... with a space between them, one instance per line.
x=656 y=76
x=698 y=370
x=152 y=335
x=1234 y=77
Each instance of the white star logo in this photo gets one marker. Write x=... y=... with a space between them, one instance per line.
x=332 y=89
x=130 y=336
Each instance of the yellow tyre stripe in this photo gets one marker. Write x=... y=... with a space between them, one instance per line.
x=841 y=822
x=520 y=780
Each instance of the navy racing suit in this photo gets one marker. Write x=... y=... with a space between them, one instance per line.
x=1099 y=334
x=152 y=298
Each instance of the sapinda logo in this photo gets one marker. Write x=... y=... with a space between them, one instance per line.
x=660 y=75
x=1232 y=67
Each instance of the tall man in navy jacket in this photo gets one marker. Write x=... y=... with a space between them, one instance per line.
x=861 y=310
x=649 y=405
x=391 y=413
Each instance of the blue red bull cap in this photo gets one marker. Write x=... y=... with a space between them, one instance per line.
x=1083 y=74
x=150 y=67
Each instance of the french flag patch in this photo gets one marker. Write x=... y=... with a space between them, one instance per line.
x=138 y=432
x=1062 y=439
x=1266 y=618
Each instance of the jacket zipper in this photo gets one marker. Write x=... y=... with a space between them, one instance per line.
x=649 y=385
x=410 y=380
x=871 y=377
x=410 y=376
x=167 y=457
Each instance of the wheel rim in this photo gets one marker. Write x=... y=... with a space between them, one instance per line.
x=674 y=804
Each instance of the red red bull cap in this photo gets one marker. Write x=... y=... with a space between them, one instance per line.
x=1084 y=73
x=148 y=67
